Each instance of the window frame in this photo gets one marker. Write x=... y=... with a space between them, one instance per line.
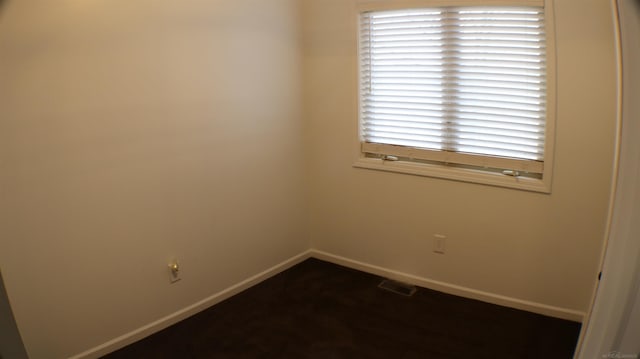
x=441 y=168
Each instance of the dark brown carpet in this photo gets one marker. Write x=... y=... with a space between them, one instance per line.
x=321 y=310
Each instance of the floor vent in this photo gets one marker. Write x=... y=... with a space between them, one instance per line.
x=397 y=287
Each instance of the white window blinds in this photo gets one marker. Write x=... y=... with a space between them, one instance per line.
x=463 y=85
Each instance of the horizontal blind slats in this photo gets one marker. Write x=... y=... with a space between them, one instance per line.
x=469 y=80
x=403 y=118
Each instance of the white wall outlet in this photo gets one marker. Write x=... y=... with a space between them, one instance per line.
x=439 y=243
x=174 y=271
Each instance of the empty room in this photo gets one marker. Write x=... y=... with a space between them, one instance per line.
x=319 y=179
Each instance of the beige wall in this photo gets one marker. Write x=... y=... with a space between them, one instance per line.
x=120 y=129
x=528 y=246
x=132 y=132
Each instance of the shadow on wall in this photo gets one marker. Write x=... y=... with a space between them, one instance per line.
x=11 y=345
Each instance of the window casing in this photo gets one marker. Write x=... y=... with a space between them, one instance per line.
x=465 y=93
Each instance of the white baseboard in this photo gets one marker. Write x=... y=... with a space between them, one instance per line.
x=195 y=308
x=184 y=313
x=461 y=291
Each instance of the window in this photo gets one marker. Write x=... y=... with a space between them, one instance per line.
x=458 y=92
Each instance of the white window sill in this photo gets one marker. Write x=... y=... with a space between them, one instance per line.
x=456 y=174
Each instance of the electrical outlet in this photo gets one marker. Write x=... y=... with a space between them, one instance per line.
x=174 y=271
x=439 y=243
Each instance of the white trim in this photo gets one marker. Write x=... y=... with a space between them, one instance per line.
x=162 y=323
x=186 y=312
x=539 y=308
x=460 y=158
x=456 y=174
